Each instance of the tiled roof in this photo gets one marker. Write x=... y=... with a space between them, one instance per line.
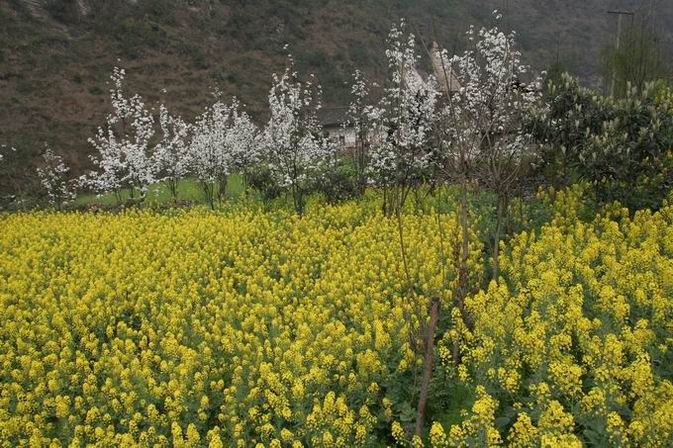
x=333 y=116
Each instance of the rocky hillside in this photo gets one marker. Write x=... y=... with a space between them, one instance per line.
x=56 y=55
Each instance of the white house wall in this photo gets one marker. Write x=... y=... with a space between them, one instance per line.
x=344 y=137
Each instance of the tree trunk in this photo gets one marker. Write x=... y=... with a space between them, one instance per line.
x=298 y=199
x=300 y=202
x=173 y=187
x=496 y=236
x=417 y=199
x=360 y=164
x=465 y=247
x=209 y=192
x=221 y=189
x=427 y=366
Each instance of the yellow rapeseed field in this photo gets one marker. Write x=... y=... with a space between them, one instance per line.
x=576 y=345
x=244 y=328
x=201 y=329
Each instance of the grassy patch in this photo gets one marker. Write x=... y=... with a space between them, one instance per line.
x=189 y=190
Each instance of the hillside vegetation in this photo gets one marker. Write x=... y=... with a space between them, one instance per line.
x=56 y=56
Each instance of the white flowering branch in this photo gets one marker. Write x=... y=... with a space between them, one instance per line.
x=171 y=155
x=123 y=159
x=402 y=122
x=481 y=130
x=224 y=140
x=53 y=175
x=293 y=142
x=360 y=119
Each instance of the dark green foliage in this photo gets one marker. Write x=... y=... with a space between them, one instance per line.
x=622 y=146
x=18 y=185
x=95 y=90
x=135 y=36
x=572 y=113
x=316 y=59
x=630 y=160
x=261 y=180
x=338 y=183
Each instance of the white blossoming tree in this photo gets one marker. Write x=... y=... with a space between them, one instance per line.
x=360 y=119
x=123 y=159
x=482 y=130
x=53 y=175
x=172 y=161
x=209 y=163
x=243 y=141
x=224 y=141
x=402 y=122
x=401 y=132
x=293 y=144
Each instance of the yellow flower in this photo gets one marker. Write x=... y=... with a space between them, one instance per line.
x=438 y=438
x=215 y=442
x=523 y=433
x=398 y=432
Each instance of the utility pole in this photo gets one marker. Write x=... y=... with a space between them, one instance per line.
x=505 y=13
x=619 y=15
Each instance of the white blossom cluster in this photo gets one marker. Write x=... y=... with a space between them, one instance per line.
x=293 y=145
x=416 y=126
x=53 y=178
x=124 y=159
x=359 y=109
x=403 y=119
x=482 y=121
x=223 y=139
x=172 y=158
x=360 y=120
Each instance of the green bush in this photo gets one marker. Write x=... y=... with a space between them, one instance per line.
x=338 y=184
x=261 y=180
x=621 y=146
